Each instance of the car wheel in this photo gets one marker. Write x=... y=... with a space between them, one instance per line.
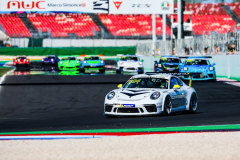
x=108 y=116
x=193 y=103
x=102 y=70
x=140 y=72
x=167 y=106
x=118 y=72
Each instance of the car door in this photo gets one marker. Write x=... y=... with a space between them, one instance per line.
x=174 y=93
x=182 y=94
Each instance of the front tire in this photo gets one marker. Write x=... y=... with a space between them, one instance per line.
x=167 y=106
x=118 y=72
x=193 y=104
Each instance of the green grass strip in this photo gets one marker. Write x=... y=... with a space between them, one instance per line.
x=162 y=129
x=4 y=70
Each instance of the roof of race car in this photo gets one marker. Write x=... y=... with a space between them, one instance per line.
x=154 y=75
x=197 y=58
x=169 y=57
x=129 y=56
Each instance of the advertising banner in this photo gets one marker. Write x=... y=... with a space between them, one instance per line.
x=141 y=6
x=85 y=6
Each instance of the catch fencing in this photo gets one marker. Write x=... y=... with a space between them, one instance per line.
x=222 y=44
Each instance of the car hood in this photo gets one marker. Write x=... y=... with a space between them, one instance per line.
x=69 y=62
x=48 y=59
x=133 y=94
x=171 y=64
x=198 y=68
x=94 y=61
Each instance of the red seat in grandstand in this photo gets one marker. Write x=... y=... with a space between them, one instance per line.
x=62 y=24
x=14 y=26
x=132 y=25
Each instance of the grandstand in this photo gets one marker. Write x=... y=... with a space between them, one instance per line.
x=206 y=18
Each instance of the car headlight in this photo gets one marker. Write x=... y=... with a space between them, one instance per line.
x=155 y=95
x=159 y=65
x=211 y=68
x=77 y=61
x=60 y=62
x=185 y=68
x=121 y=62
x=140 y=63
x=52 y=60
x=110 y=95
x=84 y=62
x=42 y=59
x=101 y=61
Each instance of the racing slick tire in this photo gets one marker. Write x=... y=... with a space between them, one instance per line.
x=140 y=72
x=193 y=104
x=108 y=116
x=118 y=72
x=167 y=106
x=102 y=70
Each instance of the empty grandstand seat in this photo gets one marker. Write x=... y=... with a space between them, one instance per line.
x=61 y=25
x=14 y=26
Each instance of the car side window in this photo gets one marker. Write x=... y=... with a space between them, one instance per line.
x=180 y=82
x=173 y=82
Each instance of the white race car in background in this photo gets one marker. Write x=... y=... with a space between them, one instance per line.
x=130 y=63
x=150 y=94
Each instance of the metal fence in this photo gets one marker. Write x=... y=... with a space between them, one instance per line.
x=228 y=43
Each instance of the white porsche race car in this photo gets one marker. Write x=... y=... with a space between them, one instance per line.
x=150 y=94
x=130 y=63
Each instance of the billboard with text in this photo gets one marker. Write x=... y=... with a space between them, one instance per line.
x=87 y=6
x=141 y=6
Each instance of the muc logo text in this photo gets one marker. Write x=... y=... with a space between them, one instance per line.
x=23 y=5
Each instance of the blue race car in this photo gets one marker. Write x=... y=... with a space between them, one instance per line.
x=50 y=60
x=198 y=64
x=92 y=63
x=168 y=64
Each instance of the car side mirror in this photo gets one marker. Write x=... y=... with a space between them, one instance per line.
x=214 y=64
x=120 y=86
x=176 y=87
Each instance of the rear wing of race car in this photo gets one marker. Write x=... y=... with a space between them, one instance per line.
x=180 y=74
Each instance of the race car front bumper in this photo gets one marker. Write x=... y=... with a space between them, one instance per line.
x=130 y=69
x=68 y=67
x=94 y=67
x=137 y=110
x=166 y=70
x=210 y=76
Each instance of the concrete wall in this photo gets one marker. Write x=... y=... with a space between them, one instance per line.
x=23 y=42
x=90 y=42
x=226 y=65
x=20 y=42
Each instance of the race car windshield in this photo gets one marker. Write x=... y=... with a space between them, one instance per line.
x=91 y=58
x=21 y=58
x=170 y=60
x=50 y=57
x=69 y=58
x=197 y=62
x=129 y=58
x=147 y=83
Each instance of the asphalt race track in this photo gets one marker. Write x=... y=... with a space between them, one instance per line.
x=44 y=107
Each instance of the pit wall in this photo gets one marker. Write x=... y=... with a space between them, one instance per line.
x=227 y=66
x=23 y=42
x=105 y=51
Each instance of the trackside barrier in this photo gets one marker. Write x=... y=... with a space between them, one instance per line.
x=226 y=65
x=198 y=45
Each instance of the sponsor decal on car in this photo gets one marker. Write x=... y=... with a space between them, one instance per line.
x=127 y=105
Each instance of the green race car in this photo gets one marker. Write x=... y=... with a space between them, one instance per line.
x=69 y=63
x=93 y=63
